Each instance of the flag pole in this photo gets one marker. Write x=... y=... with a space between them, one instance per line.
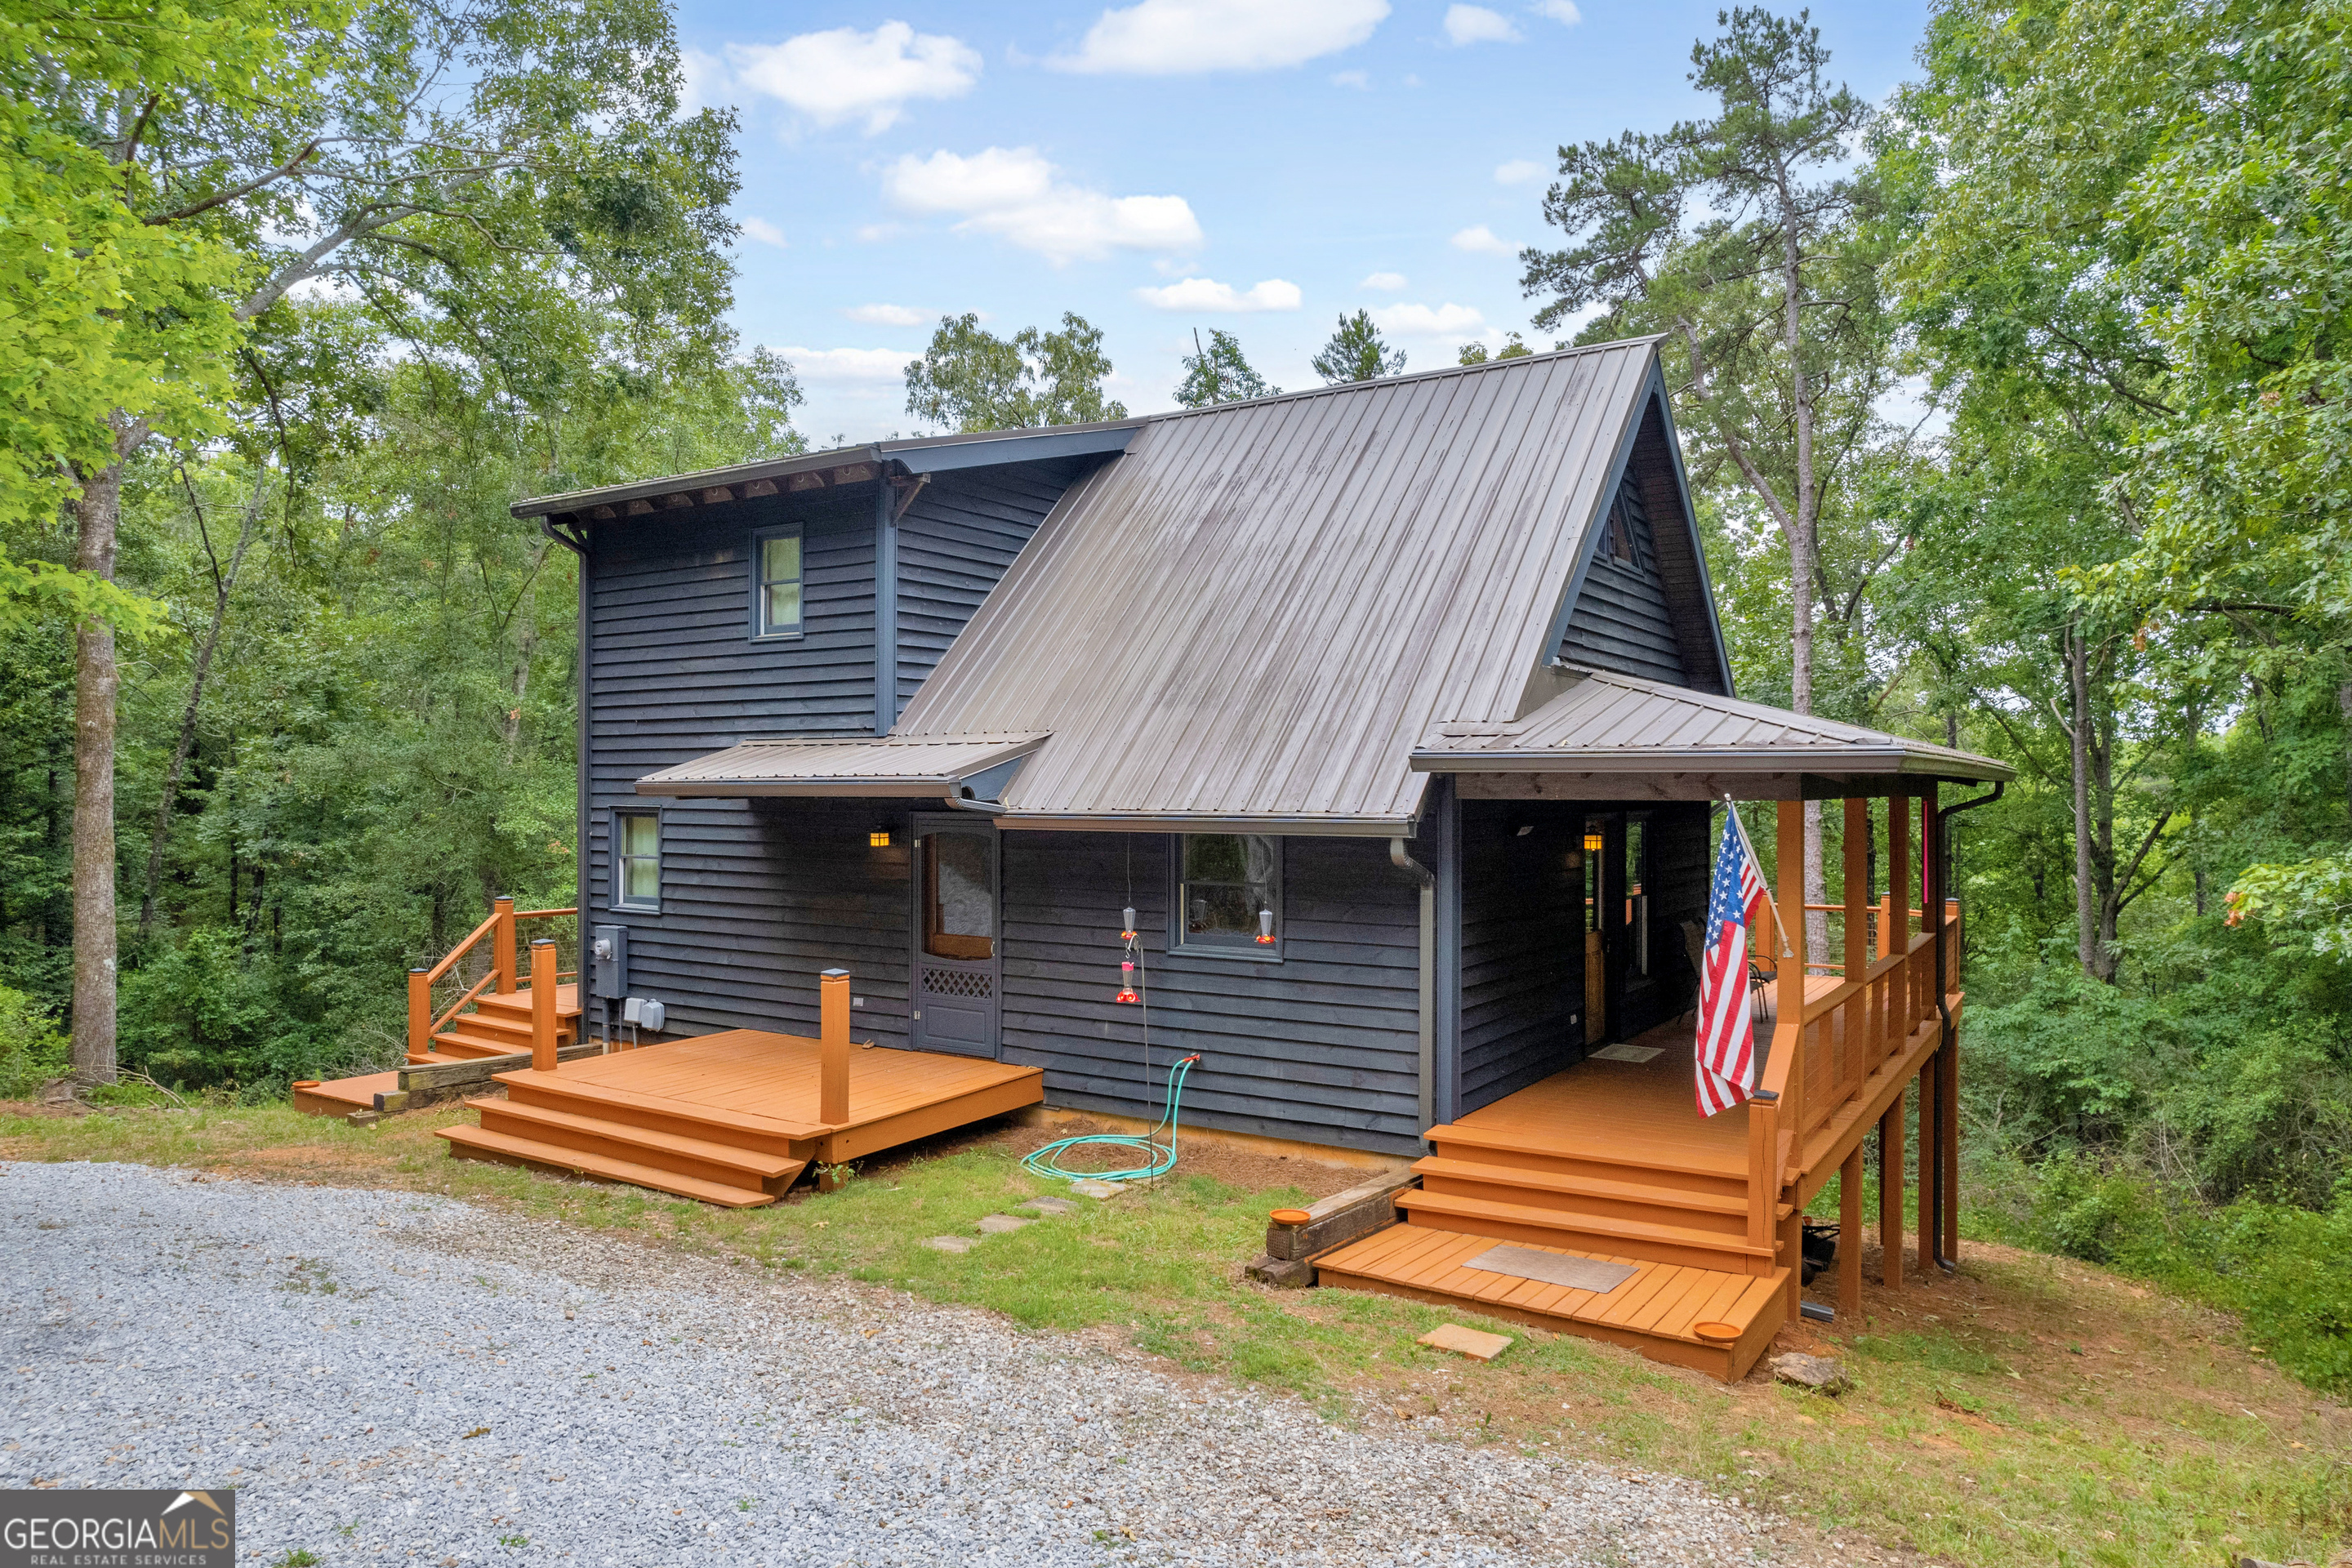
x=1779 y=926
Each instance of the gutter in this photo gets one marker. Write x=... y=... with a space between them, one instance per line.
x=1951 y=1038
x=1401 y=859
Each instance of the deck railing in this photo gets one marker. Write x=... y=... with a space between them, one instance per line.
x=499 y=974
x=1825 y=1052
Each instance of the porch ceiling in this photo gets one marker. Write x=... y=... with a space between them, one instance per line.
x=929 y=767
x=1615 y=737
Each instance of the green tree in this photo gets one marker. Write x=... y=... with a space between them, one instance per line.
x=970 y=379
x=1218 y=374
x=1512 y=348
x=1357 y=351
x=503 y=182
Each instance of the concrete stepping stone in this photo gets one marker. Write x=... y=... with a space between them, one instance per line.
x=1050 y=1206
x=952 y=1242
x=1471 y=1342
x=1087 y=1187
x=998 y=1223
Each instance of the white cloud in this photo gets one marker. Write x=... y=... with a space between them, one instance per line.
x=1564 y=12
x=886 y=315
x=1476 y=25
x=1013 y=192
x=1389 y=281
x=1450 y=322
x=1360 y=80
x=1208 y=295
x=1172 y=37
x=1516 y=172
x=843 y=74
x=1480 y=240
x=849 y=367
x=763 y=231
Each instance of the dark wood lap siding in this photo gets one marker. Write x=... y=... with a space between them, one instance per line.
x=1522 y=947
x=1681 y=859
x=1621 y=621
x=956 y=539
x=673 y=674
x=1323 y=1047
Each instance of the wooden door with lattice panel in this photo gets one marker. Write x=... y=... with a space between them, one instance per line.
x=952 y=990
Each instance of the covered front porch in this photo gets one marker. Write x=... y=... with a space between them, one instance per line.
x=1685 y=1229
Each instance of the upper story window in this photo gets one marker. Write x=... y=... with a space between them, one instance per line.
x=776 y=582
x=1229 y=894
x=636 y=859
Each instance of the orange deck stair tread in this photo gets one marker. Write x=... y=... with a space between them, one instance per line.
x=1449 y=1206
x=525 y=1120
x=482 y=1143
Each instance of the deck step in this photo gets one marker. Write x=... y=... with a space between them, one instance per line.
x=714 y=1124
x=724 y=1162
x=481 y=1143
x=1570 y=1188
x=461 y=1044
x=1633 y=1237
x=1518 y=1148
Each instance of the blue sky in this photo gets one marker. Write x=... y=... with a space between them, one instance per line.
x=1169 y=165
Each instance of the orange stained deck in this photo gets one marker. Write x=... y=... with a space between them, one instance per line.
x=731 y=1118
x=1654 y=1312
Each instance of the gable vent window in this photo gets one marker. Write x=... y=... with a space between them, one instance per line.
x=1229 y=894
x=776 y=587
x=636 y=836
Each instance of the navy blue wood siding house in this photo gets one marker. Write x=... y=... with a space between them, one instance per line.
x=937 y=711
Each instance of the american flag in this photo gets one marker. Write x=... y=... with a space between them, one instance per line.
x=1727 y=1034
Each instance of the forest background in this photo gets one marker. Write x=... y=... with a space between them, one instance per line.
x=294 y=300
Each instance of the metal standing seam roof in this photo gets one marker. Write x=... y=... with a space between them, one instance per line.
x=1607 y=723
x=1257 y=613
x=928 y=768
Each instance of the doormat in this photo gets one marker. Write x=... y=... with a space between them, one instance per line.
x=1626 y=1053
x=1553 y=1268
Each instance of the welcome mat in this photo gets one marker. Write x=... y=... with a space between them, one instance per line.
x=1621 y=1052
x=1552 y=1268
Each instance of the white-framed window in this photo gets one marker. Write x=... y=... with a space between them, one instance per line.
x=776 y=582
x=636 y=860
x=1229 y=894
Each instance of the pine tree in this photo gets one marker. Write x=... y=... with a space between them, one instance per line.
x=1357 y=351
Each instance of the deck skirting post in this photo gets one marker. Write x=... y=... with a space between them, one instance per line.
x=1849 y=1252
x=543 y=1004
x=502 y=945
x=833 y=1047
x=1929 y=1093
x=420 y=1012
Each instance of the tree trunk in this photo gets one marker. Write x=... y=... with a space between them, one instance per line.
x=2344 y=706
x=98 y=512
x=224 y=585
x=2078 y=683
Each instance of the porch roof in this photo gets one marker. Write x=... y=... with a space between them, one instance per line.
x=1620 y=736
x=925 y=766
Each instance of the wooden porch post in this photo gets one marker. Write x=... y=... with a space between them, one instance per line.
x=1857 y=1040
x=833 y=1047
x=1789 y=1023
x=1890 y=1197
x=1901 y=1007
x=502 y=945
x=543 y=1004
x=1848 y=1303
x=1935 y=904
x=420 y=1012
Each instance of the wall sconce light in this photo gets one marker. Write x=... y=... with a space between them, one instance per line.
x=879 y=838
x=1266 y=928
x=1593 y=844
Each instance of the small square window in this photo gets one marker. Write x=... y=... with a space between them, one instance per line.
x=1229 y=894
x=776 y=582
x=637 y=838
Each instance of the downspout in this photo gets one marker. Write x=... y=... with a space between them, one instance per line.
x=1401 y=859
x=578 y=547
x=978 y=807
x=1950 y=1037
x=886 y=601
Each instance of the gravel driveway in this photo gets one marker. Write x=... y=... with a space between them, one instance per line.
x=393 y=1378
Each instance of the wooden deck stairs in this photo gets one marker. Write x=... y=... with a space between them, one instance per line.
x=499 y=1026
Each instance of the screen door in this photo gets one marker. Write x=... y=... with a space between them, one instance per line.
x=956 y=963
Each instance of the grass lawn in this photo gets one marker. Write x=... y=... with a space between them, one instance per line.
x=2032 y=1410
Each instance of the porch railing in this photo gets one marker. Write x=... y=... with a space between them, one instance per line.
x=500 y=975
x=1826 y=1052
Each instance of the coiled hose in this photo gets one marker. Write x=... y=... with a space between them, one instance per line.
x=1047 y=1162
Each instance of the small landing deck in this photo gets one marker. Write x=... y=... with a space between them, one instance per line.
x=342 y=1095
x=731 y=1118
x=1653 y=1313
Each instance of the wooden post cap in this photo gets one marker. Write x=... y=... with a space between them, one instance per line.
x=833 y=975
x=1290 y=1216
x=542 y=941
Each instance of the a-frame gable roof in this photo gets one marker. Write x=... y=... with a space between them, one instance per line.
x=1253 y=616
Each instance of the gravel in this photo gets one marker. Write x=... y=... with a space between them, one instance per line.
x=388 y=1377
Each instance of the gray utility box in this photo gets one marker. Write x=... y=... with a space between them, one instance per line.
x=608 y=957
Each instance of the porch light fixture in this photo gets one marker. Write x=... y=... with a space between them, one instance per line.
x=1593 y=844
x=1266 y=928
x=879 y=838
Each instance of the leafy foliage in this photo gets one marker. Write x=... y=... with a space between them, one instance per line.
x=970 y=379
x=1218 y=374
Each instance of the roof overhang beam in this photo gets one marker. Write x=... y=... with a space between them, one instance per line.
x=1630 y=785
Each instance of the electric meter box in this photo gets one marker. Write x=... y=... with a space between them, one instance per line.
x=608 y=954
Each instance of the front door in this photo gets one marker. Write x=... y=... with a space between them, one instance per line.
x=953 y=991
